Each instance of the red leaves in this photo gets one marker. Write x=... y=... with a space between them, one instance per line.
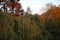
x=18 y=7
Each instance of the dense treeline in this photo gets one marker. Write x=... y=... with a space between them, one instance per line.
x=36 y=27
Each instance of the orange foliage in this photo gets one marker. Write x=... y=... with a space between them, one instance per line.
x=52 y=13
x=42 y=19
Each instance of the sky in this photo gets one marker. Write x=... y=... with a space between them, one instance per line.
x=37 y=5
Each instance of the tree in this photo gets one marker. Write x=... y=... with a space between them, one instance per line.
x=28 y=10
x=10 y=4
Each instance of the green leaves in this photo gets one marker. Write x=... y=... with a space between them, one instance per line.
x=47 y=27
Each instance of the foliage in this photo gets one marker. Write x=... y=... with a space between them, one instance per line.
x=36 y=27
x=11 y=28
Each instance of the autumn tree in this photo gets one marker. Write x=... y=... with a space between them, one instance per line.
x=52 y=22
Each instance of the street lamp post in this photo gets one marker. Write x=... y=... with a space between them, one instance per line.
x=22 y=13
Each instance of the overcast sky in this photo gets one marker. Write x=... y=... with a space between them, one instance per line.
x=36 y=5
